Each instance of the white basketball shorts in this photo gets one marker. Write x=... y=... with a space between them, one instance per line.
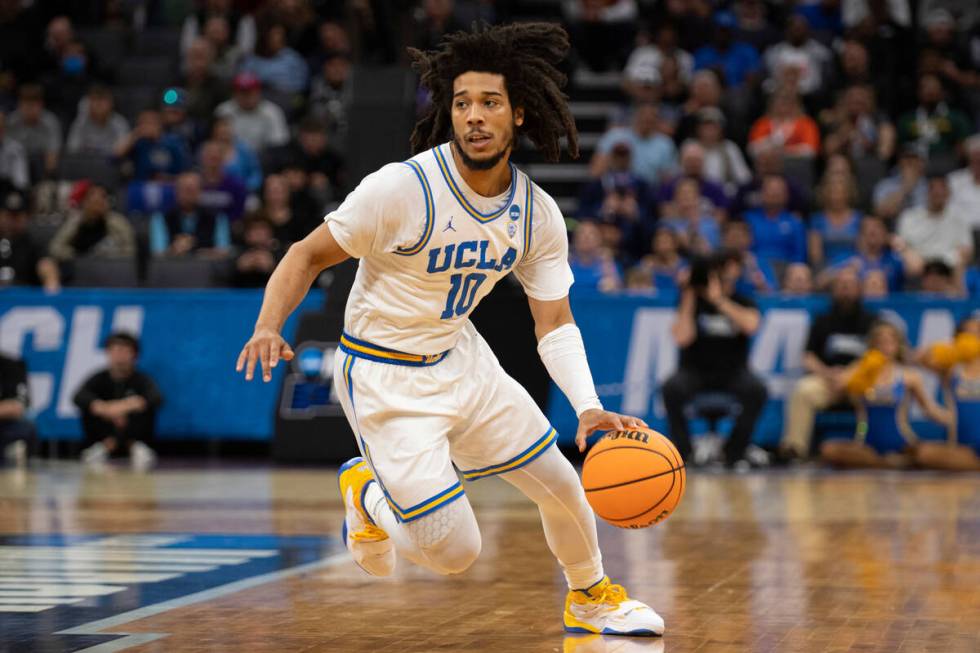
x=418 y=419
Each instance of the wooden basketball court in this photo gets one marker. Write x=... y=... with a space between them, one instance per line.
x=248 y=560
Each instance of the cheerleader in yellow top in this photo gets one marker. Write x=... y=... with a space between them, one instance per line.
x=958 y=363
x=882 y=387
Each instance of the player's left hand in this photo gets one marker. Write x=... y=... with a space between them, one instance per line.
x=595 y=419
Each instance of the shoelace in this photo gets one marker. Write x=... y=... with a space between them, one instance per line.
x=613 y=594
x=370 y=533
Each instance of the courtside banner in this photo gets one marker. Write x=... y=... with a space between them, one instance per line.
x=190 y=341
x=631 y=351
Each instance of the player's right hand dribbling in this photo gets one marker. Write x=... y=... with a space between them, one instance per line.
x=266 y=347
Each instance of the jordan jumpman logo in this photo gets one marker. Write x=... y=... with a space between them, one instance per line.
x=450 y=225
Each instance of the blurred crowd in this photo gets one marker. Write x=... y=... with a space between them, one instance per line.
x=805 y=136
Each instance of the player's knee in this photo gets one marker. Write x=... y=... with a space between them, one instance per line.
x=454 y=555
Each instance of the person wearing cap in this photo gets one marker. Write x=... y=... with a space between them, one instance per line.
x=905 y=188
x=736 y=62
x=36 y=128
x=177 y=124
x=654 y=155
x=723 y=160
x=257 y=121
x=934 y=125
x=936 y=230
x=118 y=406
x=22 y=262
x=964 y=184
x=95 y=230
x=97 y=129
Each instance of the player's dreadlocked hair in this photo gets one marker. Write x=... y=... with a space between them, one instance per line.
x=526 y=54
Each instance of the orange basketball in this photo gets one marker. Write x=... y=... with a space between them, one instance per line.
x=634 y=478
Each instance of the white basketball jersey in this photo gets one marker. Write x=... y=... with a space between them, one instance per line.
x=431 y=248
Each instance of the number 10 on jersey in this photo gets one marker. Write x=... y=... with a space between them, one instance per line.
x=463 y=289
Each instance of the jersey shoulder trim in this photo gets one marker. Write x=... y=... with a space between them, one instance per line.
x=455 y=190
x=429 y=211
x=528 y=214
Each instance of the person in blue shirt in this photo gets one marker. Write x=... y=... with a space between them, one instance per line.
x=873 y=255
x=665 y=267
x=593 y=267
x=654 y=155
x=153 y=154
x=778 y=236
x=736 y=62
x=834 y=230
x=696 y=227
x=278 y=66
x=758 y=277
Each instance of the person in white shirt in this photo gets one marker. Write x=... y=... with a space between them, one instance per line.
x=964 y=184
x=421 y=388
x=258 y=122
x=935 y=231
x=808 y=55
x=13 y=159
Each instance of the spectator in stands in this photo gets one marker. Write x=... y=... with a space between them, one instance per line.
x=254 y=265
x=705 y=94
x=935 y=231
x=593 y=266
x=697 y=228
x=16 y=430
x=933 y=125
x=227 y=55
x=601 y=31
x=797 y=280
x=205 y=90
x=753 y=26
x=801 y=51
x=645 y=61
x=621 y=197
x=243 y=25
x=66 y=86
x=692 y=163
x=786 y=126
x=97 y=129
x=874 y=284
x=153 y=154
x=258 y=122
x=758 y=277
x=318 y=158
x=834 y=229
x=240 y=160
x=653 y=154
x=905 y=188
x=187 y=228
x=330 y=95
x=855 y=128
x=14 y=168
x=60 y=34
x=291 y=218
x=941 y=43
x=36 y=128
x=712 y=330
x=874 y=255
x=664 y=269
x=119 y=406
x=222 y=193
x=723 y=160
x=278 y=66
x=22 y=262
x=938 y=278
x=299 y=20
x=736 y=62
x=767 y=161
x=964 y=184
x=177 y=123
x=836 y=339
x=95 y=230
x=332 y=38
x=778 y=236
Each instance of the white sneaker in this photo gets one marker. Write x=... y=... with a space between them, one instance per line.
x=368 y=543
x=141 y=457
x=707 y=449
x=605 y=609
x=16 y=453
x=96 y=455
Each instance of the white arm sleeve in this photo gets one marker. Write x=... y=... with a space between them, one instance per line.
x=563 y=354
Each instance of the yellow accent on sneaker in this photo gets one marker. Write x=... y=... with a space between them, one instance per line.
x=354 y=479
x=605 y=592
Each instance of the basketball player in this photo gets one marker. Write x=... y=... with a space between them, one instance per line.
x=424 y=394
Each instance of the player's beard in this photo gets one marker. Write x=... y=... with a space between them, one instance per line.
x=483 y=164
